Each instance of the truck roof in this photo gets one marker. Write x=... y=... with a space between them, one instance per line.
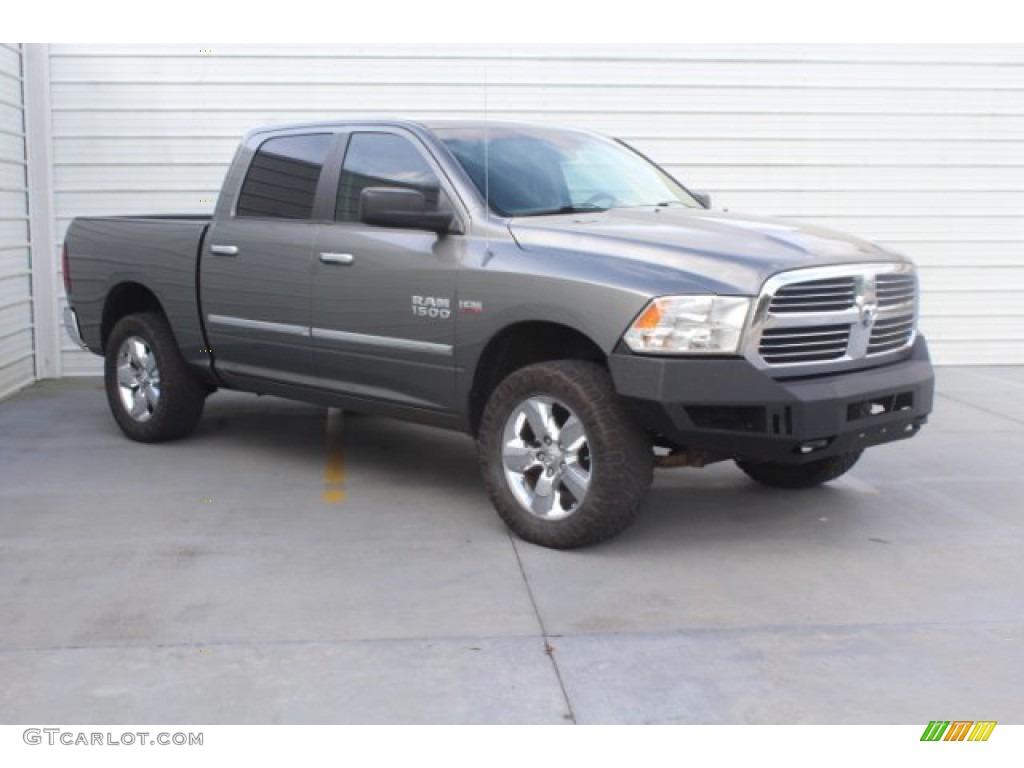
x=420 y=125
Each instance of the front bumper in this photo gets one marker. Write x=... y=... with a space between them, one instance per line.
x=726 y=407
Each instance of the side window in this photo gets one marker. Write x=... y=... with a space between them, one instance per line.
x=281 y=182
x=382 y=160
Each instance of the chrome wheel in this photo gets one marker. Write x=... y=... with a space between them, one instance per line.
x=546 y=457
x=138 y=378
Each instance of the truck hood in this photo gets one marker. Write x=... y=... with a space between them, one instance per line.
x=727 y=253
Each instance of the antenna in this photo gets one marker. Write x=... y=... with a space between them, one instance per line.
x=487 y=172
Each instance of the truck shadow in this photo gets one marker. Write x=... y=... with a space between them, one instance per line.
x=268 y=428
x=720 y=504
x=384 y=452
x=685 y=507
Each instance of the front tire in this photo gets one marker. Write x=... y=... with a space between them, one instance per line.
x=797 y=476
x=564 y=464
x=152 y=394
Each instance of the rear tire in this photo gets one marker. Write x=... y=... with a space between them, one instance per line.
x=796 y=476
x=564 y=464
x=152 y=394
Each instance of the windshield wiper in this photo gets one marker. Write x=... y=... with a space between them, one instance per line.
x=565 y=209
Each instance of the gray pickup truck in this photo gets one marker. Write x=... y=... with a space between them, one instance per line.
x=551 y=292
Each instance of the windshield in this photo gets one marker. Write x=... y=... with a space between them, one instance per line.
x=534 y=171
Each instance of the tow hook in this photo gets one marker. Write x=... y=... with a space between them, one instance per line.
x=680 y=457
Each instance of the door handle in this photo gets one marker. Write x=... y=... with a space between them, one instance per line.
x=224 y=250
x=344 y=259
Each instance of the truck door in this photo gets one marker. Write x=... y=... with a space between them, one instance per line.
x=257 y=264
x=384 y=299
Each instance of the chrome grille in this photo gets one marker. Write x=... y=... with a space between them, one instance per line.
x=804 y=345
x=895 y=289
x=815 y=296
x=828 y=318
x=891 y=333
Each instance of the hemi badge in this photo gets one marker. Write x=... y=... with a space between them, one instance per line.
x=471 y=307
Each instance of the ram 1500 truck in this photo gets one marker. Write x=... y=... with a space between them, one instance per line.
x=551 y=292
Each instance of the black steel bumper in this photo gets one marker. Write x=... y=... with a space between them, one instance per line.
x=728 y=407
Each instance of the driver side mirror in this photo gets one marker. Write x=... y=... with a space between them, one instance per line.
x=401 y=208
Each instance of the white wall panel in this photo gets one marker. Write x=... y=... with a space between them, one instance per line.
x=440 y=67
x=17 y=367
x=825 y=52
x=920 y=147
x=553 y=99
x=634 y=126
x=948 y=180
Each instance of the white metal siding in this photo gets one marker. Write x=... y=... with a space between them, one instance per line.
x=16 y=351
x=919 y=147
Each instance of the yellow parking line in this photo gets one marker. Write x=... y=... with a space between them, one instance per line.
x=334 y=472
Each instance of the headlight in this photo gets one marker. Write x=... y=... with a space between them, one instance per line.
x=689 y=325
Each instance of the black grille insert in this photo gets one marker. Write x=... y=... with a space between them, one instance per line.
x=891 y=333
x=804 y=345
x=895 y=289
x=830 y=295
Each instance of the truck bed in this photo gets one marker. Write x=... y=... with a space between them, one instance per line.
x=159 y=252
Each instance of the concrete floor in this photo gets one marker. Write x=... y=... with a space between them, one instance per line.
x=208 y=581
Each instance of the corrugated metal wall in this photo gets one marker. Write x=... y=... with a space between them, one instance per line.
x=919 y=147
x=17 y=365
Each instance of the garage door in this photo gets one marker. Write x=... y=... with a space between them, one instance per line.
x=16 y=352
x=919 y=147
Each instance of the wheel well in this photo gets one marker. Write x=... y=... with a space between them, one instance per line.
x=126 y=299
x=520 y=345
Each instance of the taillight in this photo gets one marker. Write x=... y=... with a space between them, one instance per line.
x=64 y=269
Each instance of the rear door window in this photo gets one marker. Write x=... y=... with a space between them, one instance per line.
x=282 y=179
